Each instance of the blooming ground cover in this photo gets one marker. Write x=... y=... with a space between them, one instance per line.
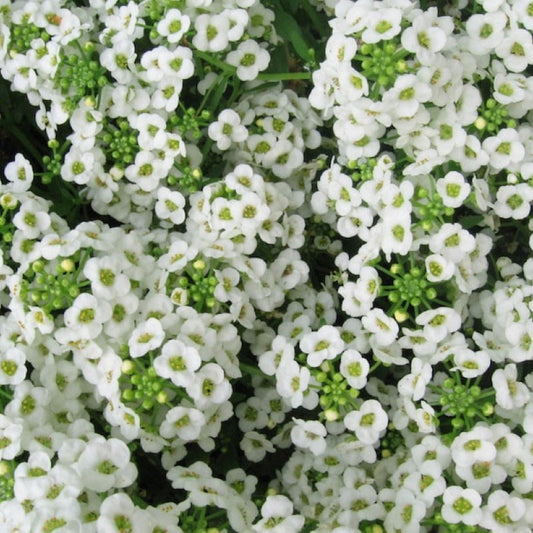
x=265 y=266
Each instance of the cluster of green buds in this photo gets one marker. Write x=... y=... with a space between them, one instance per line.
x=189 y=179
x=336 y=395
x=464 y=403
x=81 y=76
x=21 y=36
x=119 y=142
x=7 y=480
x=190 y=123
x=383 y=61
x=405 y=285
x=142 y=388
x=362 y=169
x=195 y=286
x=430 y=209
x=492 y=117
x=8 y=205
x=54 y=285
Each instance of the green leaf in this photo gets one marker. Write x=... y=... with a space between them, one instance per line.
x=290 y=31
x=471 y=221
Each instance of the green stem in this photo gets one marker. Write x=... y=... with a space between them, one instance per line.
x=5 y=394
x=284 y=76
x=208 y=58
x=252 y=370
x=21 y=136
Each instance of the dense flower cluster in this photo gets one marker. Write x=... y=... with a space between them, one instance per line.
x=268 y=275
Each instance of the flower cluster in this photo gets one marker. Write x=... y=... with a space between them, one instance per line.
x=272 y=270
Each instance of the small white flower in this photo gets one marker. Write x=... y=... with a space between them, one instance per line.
x=354 y=367
x=209 y=386
x=249 y=59
x=322 y=345
x=513 y=201
x=227 y=129
x=382 y=24
x=452 y=241
x=453 y=189
x=255 y=446
x=505 y=149
x=383 y=328
x=503 y=512
x=516 y=50
x=485 y=31
x=169 y=205
x=368 y=422
x=461 y=505
x=309 y=434
x=173 y=25
x=277 y=516
x=105 y=464
x=183 y=422
x=177 y=362
x=438 y=268
x=19 y=173
x=211 y=32
x=148 y=336
x=87 y=315
x=510 y=393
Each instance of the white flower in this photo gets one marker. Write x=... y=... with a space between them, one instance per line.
x=505 y=149
x=322 y=345
x=438 y=268
x=414 y=383
x=510 y=393
x=10 y=437
x=12 y=366
x=249 y=58
x=169 y=205
x=513 y=201
x=503 y=512
x=119 y=60
x=473 y=446
x=119 y=509
x=424 y=37
x=209 y=386
x=183 y=422
x=405 y=97
x=471 y=364
x=461 y=505
x=146 y=171
x=177 y=362
x=145 y=337
x=354 y=367
x=382 y=24
x=107 y=280
x=277 y=516
x=516 y=50
x=453 y=189
x=383 y=328
x=105 y=464
x=452 y=242
x=87 y=315
x=485 y=31
x=309 y=434
x=439 y=322
x=368 y=422
x=19 y=173
x=173 y=25
x=211 y=32
x=255 y=446
x=292 y=380
x=227 y=129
